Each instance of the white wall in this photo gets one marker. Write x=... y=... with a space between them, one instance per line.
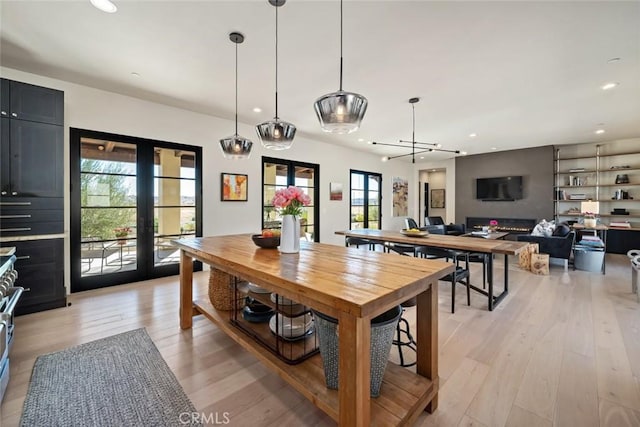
x=97 y=110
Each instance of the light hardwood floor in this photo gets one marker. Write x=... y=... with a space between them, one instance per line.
x=560 y=350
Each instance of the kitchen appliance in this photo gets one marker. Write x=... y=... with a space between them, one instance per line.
x=9 y=296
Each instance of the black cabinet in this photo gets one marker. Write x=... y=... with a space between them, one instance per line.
x=622 y=241
x=31 y=189
x=24 y=101
x=40 y=266
x=31 y=159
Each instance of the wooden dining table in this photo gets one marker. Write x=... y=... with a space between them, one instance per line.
x=350 y=285
x=458 y=243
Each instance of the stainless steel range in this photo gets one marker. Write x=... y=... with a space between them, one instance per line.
x=9 y=296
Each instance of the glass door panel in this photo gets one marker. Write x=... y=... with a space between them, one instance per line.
x=174 y=201
x=108 y=199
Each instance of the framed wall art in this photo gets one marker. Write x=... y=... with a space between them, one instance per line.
x=335 y=191
x=400 y=196
x=233 y=187
x=437 y=198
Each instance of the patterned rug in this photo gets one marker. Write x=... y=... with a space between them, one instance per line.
x=120 y=381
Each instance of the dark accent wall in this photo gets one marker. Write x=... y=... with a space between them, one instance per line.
x=535 y=165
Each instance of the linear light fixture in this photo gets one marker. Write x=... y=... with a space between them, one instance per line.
x=421 y=147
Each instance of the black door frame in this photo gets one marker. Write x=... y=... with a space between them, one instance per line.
x=291 y=173
x=145 y=227
x=366 y=196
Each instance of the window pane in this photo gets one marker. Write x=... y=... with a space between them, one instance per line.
x=174 y=221
x=304 y=177
x=107 y=157
x=174 y=192
x=174 y=163
x=107 y=190
x=104 y=223
x=374 y=183
x=275 y=174
x=357 y=181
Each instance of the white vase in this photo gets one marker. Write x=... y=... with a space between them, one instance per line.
x=290 y=235
x=590 y=222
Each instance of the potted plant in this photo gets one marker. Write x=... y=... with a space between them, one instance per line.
x=121 y=234
x=493 y=225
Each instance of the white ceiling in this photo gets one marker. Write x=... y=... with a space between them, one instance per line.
x=518 y=74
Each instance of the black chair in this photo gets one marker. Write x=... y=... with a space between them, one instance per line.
x=433 y=220
x=358 y=241
x=436 y=253
x=404 y=249
x=459 y=275
x=456 y=229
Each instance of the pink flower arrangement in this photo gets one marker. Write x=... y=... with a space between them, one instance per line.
x=290 y=201
x=493 y=222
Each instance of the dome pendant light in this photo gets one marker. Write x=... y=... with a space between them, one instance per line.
x=276 y=134
x=236 y=146
x=340 y=112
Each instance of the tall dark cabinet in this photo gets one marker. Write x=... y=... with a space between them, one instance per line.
x=31 y=190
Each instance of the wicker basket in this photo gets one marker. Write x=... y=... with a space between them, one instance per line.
x=221 y=291
x=382 y=329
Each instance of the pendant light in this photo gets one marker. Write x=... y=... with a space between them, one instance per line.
x=276 y=134
x=340 y=112
x=236 y=146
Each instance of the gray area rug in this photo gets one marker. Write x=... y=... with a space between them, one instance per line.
x=116 y=381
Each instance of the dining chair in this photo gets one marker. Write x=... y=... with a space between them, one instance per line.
x=433 y=220
x=404 y=249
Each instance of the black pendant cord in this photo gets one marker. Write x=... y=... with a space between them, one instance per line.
x=236 y=88
x=413 y=135
x=276 y=63
x=340 y=45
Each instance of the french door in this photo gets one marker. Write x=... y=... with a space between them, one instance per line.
x=129 y=198
x=278 y=174
x=366 y=199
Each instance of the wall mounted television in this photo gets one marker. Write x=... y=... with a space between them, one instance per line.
x=504 y=188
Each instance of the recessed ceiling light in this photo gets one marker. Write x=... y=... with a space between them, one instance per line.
x=464 y=153
x=104 y=5
x=257 y=110
x=360 y=139
x=438 y=145
x=433 y=170
x=599 y=131
x=385 y=158
x=473 y=135
x=369 y=142
x=613 y=60
x=421 y=157
x=609 y=85
x=494 y=148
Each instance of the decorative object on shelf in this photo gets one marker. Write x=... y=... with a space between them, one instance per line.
x=423 y=147
x=590 y=220
x=619 y=211
x=493 y=226
x=590 y=211
x=622 y=179
x=290 y=202
x=340 y=112
x=121 y=234
x=233 y=187
x=383 y=328
x=276 y=134
x=621 y=195
x=236 y=146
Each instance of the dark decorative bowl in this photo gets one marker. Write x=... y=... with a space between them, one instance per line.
x=266 y=242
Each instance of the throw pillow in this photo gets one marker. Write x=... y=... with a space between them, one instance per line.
x=543 y=228
x=562 y=230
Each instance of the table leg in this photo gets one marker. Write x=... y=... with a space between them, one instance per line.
x=490 y=281
x=186 y=290
x=427 y=338
x=354 y=381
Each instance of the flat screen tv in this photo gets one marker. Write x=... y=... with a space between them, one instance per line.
x=504 y=188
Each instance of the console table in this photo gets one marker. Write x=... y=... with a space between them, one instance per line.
x=351 y=285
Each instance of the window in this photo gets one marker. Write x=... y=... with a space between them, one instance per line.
x=366 y=199
x=278 y=174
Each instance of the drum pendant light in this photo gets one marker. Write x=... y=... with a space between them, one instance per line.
x=236 y=146
x=340 y=112
x=276 y=134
